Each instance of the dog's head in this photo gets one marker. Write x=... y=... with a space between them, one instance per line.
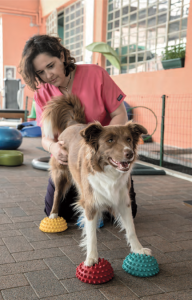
x=113 y=145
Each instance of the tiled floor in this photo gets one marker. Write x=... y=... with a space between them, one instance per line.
x=36 y=265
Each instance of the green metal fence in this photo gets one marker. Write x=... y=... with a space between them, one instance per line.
x=168 y=119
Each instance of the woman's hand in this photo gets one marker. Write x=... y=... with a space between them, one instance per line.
x=59 y=153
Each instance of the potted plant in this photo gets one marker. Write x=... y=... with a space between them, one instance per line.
x=173 y=57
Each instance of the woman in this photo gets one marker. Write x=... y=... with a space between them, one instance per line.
x=48 y=69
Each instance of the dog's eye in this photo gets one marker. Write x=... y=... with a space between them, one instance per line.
x=110 y=141
x=128 y=139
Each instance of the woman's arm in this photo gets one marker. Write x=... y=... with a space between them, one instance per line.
x=119 y=116
x=56 y=149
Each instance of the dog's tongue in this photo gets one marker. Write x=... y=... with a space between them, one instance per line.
x=123 y=165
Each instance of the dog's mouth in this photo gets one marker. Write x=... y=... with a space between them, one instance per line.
x=120 y=165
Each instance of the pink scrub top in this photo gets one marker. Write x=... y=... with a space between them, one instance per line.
x=97 y=92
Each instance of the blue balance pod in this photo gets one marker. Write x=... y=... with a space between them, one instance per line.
x=29 y=129
x=140 y=265
x=100 y=223
x=10 y=138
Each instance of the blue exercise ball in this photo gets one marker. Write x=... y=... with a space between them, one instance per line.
x=10 y=138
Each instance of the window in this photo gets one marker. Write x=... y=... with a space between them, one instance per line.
x=139 y=30
x=51 y=23
x=70 y=29
x=60 y=26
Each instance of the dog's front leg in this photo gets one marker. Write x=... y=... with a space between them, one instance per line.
x=127 y=222
x=91 y=237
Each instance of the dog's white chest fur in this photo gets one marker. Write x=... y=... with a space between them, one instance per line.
x=109 y=187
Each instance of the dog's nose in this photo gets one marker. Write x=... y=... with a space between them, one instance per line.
x=128 y=153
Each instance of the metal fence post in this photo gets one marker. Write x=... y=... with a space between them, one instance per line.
x=26 y=105
x=162 y=131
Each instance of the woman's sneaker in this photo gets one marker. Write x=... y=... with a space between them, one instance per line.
x=81 y=225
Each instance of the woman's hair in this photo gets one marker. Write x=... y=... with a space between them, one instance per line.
x=42 y=44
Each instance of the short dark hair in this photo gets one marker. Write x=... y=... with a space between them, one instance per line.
x=42 y=44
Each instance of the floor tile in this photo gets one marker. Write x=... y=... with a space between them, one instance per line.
x=161 y=244
x=22 y=225
x=11 y=281
x=22 y=267
x=173 y=283
x=17 y=244
x=115 y=244
x=14 y=212
x=61 y=266
x=28 y=218
x=139 y=286
x=74 y=253
x=5 y=256
x=84 y=295
x=5 y=219
x=169 y=235
x=181 y=255
x=20 y=293
x=45 y=283
x=178 y=295
x=184 y=245
x=117 y=293
x=67 y=241
x=176 y=269
x=4 y=227
x=74 y=284
x=33 y=234
x=37 y=254
x=115 y=254
x=6 y=233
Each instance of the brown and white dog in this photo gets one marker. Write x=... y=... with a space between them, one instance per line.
x=100 y=160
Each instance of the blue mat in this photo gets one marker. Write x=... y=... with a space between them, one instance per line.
x=139 y=169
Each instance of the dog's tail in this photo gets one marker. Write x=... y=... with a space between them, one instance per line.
x=60 y=113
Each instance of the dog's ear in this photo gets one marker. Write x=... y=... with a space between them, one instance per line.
x=136 y=131
x=91 y=134
x=136 y=128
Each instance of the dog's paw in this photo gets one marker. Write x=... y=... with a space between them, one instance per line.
x=91 y=261
x=144 y=251
x=53 y=216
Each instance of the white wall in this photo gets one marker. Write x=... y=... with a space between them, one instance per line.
x=89 y=26
x=49 y=5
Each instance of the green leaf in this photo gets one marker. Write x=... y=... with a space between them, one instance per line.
x=107 y=51
x=113 y=60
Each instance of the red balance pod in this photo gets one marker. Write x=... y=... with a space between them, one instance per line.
x=99 y=273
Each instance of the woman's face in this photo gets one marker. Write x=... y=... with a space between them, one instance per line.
x=50 y=69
